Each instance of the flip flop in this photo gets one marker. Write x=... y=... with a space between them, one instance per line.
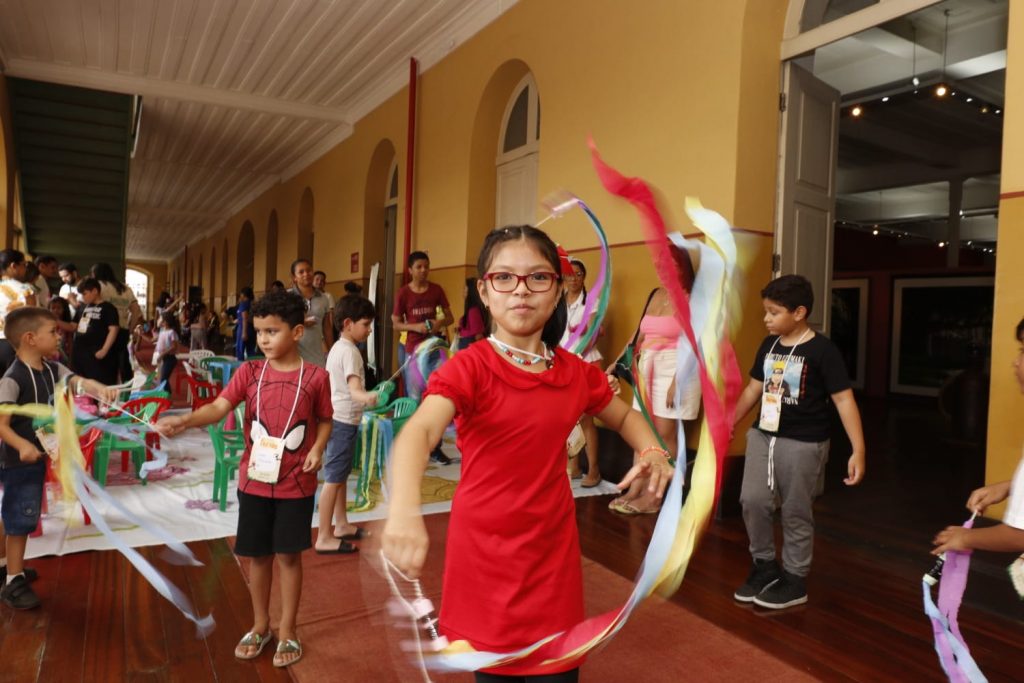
x=287 y=647
x=359 y=535
x=629 y=509
x=252 y=639
x=344 y=548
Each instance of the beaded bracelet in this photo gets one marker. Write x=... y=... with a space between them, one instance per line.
x=655 y=448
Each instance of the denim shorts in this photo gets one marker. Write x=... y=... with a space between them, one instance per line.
x=23 y=496
x=341 y=448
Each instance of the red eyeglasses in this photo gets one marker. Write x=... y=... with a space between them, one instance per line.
x=538 y=282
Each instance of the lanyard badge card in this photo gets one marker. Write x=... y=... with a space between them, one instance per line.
x=771 y=396
x=771 y=412
x=267 y=451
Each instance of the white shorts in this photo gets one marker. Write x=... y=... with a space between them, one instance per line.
x=664 y=362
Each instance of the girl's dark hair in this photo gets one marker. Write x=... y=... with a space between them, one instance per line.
x=104 y=272
x=472 y=301
x=247 y=293
x=165 y=298
x=171 y=321
x=539 y=239
x=65 y=308
x=1020 y=329
x=288 y=306
x=576 y=262
x=10 y=257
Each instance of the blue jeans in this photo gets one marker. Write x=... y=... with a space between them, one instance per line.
x=23 y=496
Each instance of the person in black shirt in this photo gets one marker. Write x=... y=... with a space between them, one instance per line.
x=30 y=379
x=795 y=374
x=97 y=331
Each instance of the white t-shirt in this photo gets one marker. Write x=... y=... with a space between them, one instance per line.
x=1014 y=515
x=573 y=319
x=12 y=295
x=122 y=301
x=70 y=294
x=345 y=361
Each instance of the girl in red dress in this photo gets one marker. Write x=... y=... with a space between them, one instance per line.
x=512 y=565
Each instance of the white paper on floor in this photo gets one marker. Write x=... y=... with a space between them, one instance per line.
x=179 y=502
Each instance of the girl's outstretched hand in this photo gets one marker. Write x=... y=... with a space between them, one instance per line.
x=654 y=468
x=405 y=542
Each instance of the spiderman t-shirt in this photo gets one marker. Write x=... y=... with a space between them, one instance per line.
x=277 y=396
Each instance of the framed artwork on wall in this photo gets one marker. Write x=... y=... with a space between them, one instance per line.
x=941 y=326
x=850 y=325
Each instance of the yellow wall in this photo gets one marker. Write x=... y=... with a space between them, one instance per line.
x=683 y=94
x=1006 y=405
x=8 y=167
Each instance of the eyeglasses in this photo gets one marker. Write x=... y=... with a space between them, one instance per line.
x=538 y=282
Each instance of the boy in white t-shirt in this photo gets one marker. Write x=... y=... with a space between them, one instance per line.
x=1005 y=537
x=349 y=396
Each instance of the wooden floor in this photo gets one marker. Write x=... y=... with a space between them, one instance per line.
x=100 y=621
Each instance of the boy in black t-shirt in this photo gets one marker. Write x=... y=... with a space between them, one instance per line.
x=30 y=379
x=795 y=373
x=98 y=327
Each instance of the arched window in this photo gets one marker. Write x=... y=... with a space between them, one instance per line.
x=271 y=263
x=518 y=156
x=138 y=282
x=244 y=257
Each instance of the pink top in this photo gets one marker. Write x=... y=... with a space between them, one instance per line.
x=663 y=326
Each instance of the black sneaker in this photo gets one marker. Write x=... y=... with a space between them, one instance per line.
x=438 y=456
x=30 y=574
x=762 y=574
x=788 y=591
x=18 y=594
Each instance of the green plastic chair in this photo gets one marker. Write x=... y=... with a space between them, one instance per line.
x=384 y=391
x=401 y=410
x=228 y=445
x=110 y=443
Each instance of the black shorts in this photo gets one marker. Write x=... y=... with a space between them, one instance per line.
x=268 y=526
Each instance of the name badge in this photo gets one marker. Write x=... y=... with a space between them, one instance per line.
x=576 y=441
x=48 y=441
x=83 y=324
x=265 y=459
x=771 y=412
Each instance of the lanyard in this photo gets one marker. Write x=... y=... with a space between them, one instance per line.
x=298 y=389
x=32 y=376
x=505 y=347
x=798 y=342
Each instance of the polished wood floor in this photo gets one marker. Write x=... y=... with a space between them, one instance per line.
x=100 y=621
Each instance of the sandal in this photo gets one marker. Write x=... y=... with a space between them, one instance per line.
x=253 y=639
x=630 y=509
x=287 y=647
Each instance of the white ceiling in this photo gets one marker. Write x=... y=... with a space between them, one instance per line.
x=237 y=94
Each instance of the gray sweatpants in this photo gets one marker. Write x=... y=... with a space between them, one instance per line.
x=798 y=467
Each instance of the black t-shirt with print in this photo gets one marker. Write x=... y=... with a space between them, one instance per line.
x=94 y=323
x=805 y=381
x=21 y=385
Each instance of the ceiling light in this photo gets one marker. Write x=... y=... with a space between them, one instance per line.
x=874 y=232
x=942 y=245
x=941 y=90
x=856 y=111
x=984 y=109
x=916 y=81
x=999 y=111
x=970 y=99
x=885 y=99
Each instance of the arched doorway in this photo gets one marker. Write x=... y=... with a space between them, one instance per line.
x=271 y=263
x=304 y=246
x=212 y=297
x=380 y=245
x=138 y=282
x=488 y=126
x=224 y=276
x=518 y=157
x=245 y=257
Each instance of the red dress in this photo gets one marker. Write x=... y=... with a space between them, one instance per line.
x=512 y=566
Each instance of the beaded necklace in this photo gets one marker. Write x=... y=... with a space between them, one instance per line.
x=547 y=358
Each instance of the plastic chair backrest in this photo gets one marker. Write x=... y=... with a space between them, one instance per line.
x=147 y=408
x=403 y=407
x=198 y=354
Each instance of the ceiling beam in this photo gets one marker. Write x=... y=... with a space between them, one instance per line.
x=173 y=90
x=975 y=163
x=876 y=135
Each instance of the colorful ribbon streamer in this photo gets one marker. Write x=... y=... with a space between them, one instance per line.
x=76 y=483
x=371 y=459
x=954 y=655
x=678 y=525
